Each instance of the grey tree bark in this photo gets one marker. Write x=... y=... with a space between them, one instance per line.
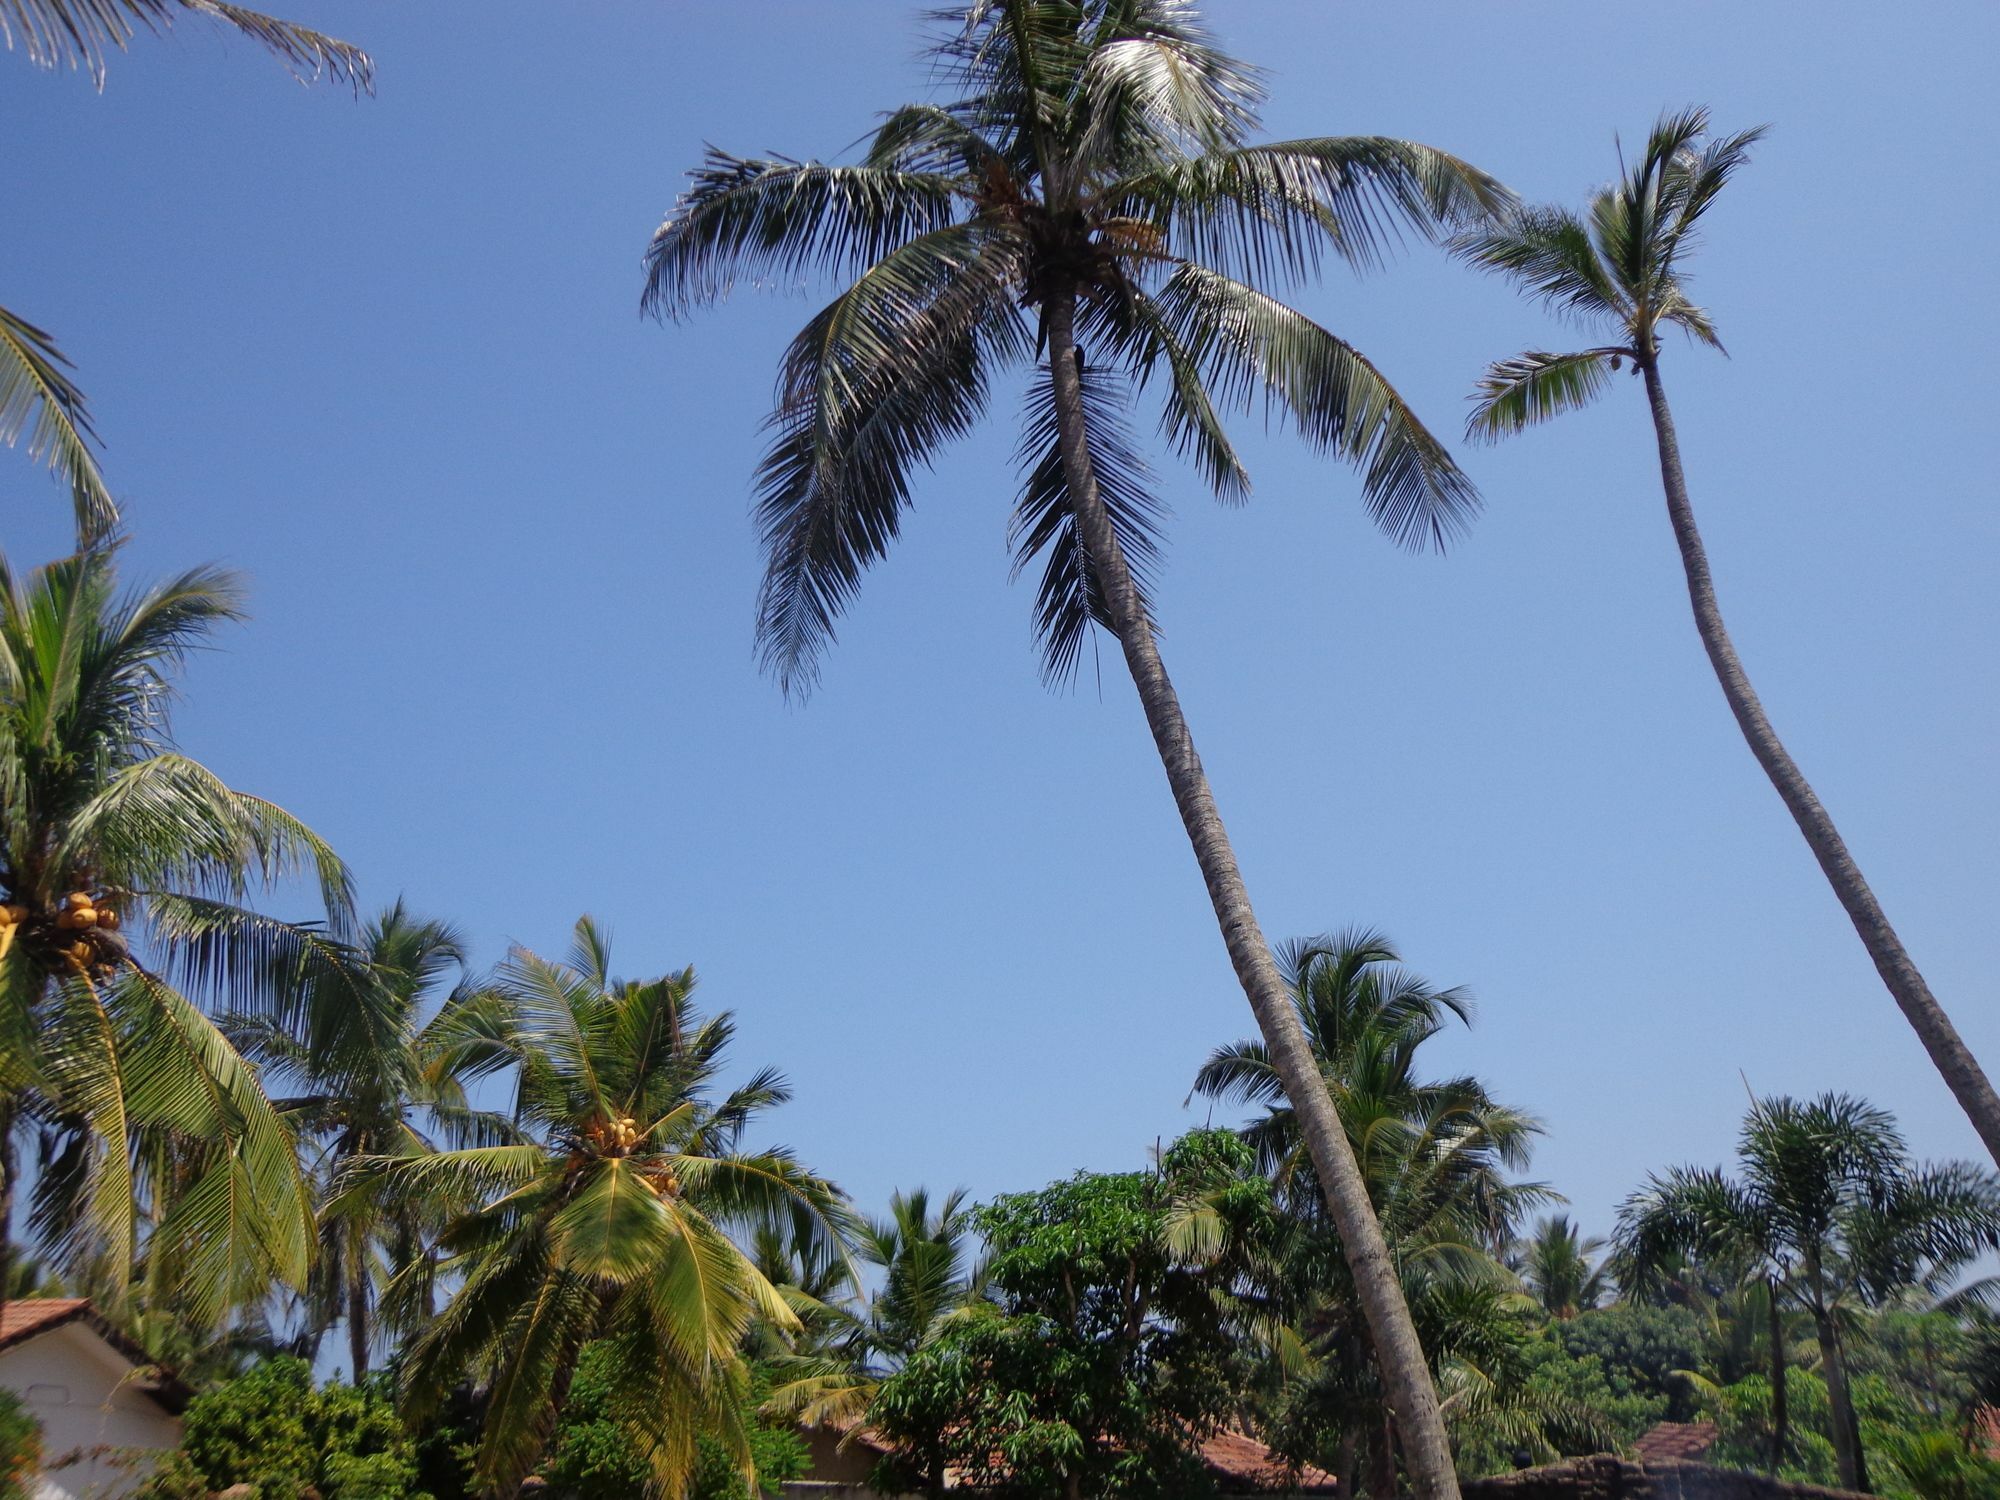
x=1948 y=1052
x=1847 y=1457
x=1780 y=1394
x=1413 y=1398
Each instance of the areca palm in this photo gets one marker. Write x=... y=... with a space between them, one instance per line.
x=116 y=847
x=1091 y=178
x=609 y=1223
x=1832 y=1213
x=376 y=1063
x=38 y=398
x=1622 y=269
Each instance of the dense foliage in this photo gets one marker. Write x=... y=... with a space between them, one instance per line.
x=20 y=1448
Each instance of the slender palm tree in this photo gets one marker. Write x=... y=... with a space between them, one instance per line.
x=124 y=865
x=377 y=1063
x=1830 y=1211
x=1622 y=269
x=1090 y=178
x=38 y=398
x=609 y=1223
x=1556 y=1265
x=928 y=1272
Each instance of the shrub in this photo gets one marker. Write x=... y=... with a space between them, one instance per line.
x=20 y=1448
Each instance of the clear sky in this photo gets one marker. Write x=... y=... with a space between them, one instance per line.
x=385 y=357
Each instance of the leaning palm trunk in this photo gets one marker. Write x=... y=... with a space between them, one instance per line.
x=1847 y=1457
x=1413 y=1399
x=1948 y=1052
x=1780 y=1396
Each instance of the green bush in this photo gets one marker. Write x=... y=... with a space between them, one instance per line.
x=274 y=1430
x=20 y=1448
x=591 y=1456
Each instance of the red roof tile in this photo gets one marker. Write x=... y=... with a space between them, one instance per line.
x=1244 y=1463
x=23 y=1318
x=1675 y=1440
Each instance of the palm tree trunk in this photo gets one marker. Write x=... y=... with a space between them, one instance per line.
x=9 y=1170
x=1840 y=1406
x=1948 y=1053
x=1413 y=1399
x=357 y=1313
x=1780 y=1396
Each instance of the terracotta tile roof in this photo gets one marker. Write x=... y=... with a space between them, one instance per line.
x=1242 y=1462
x=24 y=1317
x=1675 y=1440
x=1988 y=1419
x=1239 y=1461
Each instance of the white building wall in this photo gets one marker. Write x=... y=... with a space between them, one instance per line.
x=99 y=1427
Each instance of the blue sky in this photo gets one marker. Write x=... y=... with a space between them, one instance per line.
x=385 y=357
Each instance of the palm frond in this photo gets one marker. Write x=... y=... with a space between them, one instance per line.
x=1536 y=386
x=38 y=398
x=1069 y=601
x=82 y=33
x=1251 y=345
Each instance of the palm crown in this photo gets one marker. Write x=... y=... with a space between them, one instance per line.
x=112 y=843
x=610 y=1221
x=1098 y=151
x=1620 y=269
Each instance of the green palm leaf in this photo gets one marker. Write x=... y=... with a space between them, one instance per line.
x=37 y=398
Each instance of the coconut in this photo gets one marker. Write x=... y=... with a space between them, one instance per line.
x=107 y=919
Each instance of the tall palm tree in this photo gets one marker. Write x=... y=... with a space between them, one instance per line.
x=609 y=1223
x=154 y=1134
x=1832 y=1213
x=378 y=1067
x=38 y=398
x=1555 y=1264
x=1622 y=270
x=1091 y=177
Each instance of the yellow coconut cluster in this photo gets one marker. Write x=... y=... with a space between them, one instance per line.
x=80 y=935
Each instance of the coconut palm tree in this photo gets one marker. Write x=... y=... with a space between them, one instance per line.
x=1436 y=1159
x=1090 y=178
x=928 y=1272
x=1555 y=1264
x=1622 y=270
x=38 y=398
x=124 y=865
x=377 y=1063
x=1424 y=1146
x=1832 y=1213
x=609 y=1223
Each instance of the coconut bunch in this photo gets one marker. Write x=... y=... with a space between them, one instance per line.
x=80 y=936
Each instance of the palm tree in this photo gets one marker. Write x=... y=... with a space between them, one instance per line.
x=608 y=1223
x=1091 y=178
x=37 y=396
x=1556 y=1266
x=1832 y=1213
x=378 y=1068
x=154 y=1134
x=1424 y=1146
x=1622 y=270
x=1434 y=1158
x=928 y=1272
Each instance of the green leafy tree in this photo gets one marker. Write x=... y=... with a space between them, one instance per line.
x=1092 y=178
x=1107 y=1355
x=1835 y=1215
x=609 y=1225
x=591 y=1456
x=277 y=1432
x=20 y=1448
x=1621 y=268
x=156 y=1142
x=1642 y=1351
x=38 y=399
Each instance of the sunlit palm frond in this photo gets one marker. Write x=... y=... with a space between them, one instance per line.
x=83 y=33
x=1536 y=386
x=38 y=399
